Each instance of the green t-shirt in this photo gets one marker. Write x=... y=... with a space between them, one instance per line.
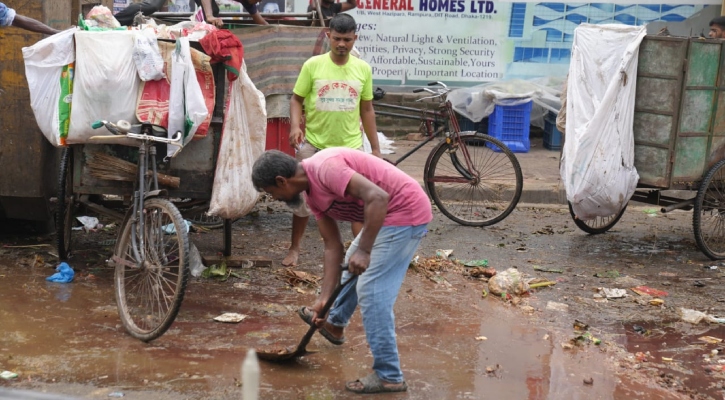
x=332 y=100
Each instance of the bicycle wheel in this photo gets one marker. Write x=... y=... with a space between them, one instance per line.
x=149 y=296
x=597 y=225
x=65 y=205
x=480 y=199
x=708 y=220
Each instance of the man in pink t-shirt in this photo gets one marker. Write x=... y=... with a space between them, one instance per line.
x=349 y=185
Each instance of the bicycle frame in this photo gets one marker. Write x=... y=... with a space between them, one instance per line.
x=435 y=124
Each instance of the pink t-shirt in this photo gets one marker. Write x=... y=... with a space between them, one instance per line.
x=329 y=171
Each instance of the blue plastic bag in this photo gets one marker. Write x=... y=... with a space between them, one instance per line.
x=64 y=274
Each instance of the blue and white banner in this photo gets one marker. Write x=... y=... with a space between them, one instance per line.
x=469 y=42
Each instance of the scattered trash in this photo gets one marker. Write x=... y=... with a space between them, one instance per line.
x=608 y=274
x=589 y=381
x=508 y=282
x=170 y=229
x=586 y=337
x=544 y=269
x=64 y=274
x=444 y=254
x=472 y=263
x=552 y=305
x=652 y=212
x=710 y=267
x=640 y=329
x=230 y=318
x=546 y=337
x=580 y=326
x=481 y=338
x=698 y=284
x=220 y=272
x=7 y=375
x=491 y=369
x=667 y=359
x=710 y=339
x=297 y=278
x=116 y=394
x=624 y=282
x=656 y=302
x=109 y=242
x=539 y=284
x=670 y=274
x=567 y=346
x=484 y=293
x=195 y=264
x=89 y=223
x=641 y=357
x=613 y=293
x=644 y=290
x=478 y=272
x=695 y=317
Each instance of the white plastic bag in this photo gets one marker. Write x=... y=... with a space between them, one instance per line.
x=146 y=55
x=597 y=164
x=106 y=82
x=243 y=139
x=187 y=107
x=49 y=69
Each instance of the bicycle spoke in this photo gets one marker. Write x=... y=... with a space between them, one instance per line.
x=478 y=193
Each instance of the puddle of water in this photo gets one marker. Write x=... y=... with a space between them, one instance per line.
x=682 y=359
x=71 y=334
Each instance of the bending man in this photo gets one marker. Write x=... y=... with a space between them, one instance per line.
x=349 y=185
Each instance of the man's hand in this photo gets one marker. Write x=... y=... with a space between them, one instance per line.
x=317 y=319
x=215 y=21
x=295 y=137
x=359 y=262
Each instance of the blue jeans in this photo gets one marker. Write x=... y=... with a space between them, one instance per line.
x=376 y=291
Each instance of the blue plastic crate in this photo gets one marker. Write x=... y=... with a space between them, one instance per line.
x=552 y=136
x=510 y=124
x=467 y=125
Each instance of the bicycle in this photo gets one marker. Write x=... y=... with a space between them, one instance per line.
x=151 y=257
x=473 y=178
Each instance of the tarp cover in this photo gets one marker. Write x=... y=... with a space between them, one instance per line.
x=597 y=164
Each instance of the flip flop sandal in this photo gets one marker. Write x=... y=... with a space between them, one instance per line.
x=306 y=316
x=373 y=384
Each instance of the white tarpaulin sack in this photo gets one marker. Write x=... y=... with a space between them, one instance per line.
x=597 y=163
x=106 y=82
x=243 y=139
x=49 y=71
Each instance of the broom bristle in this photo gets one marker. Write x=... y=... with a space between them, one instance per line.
x=104 y=166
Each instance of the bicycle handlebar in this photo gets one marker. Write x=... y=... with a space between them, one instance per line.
x=125 y=129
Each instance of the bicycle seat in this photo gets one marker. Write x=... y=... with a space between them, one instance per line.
x=378 y=94
x=153 y=130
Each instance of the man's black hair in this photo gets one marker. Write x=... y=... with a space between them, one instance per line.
x=719 y=21
x=269 y=166
x=343 y=23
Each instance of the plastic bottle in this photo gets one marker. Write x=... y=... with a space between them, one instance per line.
x=250 y=376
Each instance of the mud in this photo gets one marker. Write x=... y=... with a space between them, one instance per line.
x=454 y=343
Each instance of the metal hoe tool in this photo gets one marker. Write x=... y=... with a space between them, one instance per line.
x=302 y=347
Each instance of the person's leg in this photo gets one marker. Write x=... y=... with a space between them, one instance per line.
x=377 y=290
x=299 y=224
x=300 y=215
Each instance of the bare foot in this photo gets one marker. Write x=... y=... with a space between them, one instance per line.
x=291 y=259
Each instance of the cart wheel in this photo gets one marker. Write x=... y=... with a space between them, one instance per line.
x=597 y=225
x=198 y=216
x=708 y=220
x=66 y=205
x=149 y=296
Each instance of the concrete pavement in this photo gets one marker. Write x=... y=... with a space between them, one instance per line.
x=540 y=168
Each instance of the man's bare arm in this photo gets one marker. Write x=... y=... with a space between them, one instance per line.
x=33 y=25
x=349 y=5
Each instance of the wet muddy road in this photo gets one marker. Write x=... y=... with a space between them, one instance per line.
x=454 y=343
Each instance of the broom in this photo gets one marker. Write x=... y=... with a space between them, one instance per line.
x=103 y=166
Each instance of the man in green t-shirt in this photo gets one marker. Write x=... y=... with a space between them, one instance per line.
x=336 y=91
